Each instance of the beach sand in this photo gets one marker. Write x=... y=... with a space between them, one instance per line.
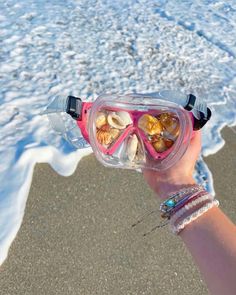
x=76 y=237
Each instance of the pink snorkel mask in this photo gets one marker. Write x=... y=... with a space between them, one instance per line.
x=132 y=130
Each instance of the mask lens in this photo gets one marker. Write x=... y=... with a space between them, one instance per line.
x=159 y=131
x=111 y=127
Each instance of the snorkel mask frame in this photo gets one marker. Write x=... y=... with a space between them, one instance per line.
x=191 y=114
x=79 y=110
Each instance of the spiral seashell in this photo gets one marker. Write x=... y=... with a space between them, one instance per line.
x=171 y=125
x=132 y=147
x=119 y=120
x=101 y=120
x=150 y=124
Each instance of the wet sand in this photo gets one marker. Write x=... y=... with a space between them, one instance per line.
x=77 y=238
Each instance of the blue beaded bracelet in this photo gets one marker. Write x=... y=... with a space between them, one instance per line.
x=178 y=198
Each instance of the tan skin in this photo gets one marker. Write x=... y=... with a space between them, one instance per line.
x=211 y=239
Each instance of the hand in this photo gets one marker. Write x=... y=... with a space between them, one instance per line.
x=178 y=176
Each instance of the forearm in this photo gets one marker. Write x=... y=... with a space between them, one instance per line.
x=211 y=239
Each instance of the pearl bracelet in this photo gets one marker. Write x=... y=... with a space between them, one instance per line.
x=187 y=199
x=190 y=205
x=176 y=229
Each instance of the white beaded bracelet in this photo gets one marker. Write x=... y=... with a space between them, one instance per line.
x=188 y=206
x=179 y=227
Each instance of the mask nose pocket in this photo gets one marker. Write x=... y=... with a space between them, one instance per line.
x=133 y=149
x=129 y=150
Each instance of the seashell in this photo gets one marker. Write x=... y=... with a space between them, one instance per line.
x=125 y=116
x=171 y=125
x=132 y=147
x=105 y=127
x=140 y=155
x=106 y=135
x=159 y=144
x=119 y=120
x=168 y=142
x=101 y=120
x=172 y=136
x=114 y=133
x=150 y=124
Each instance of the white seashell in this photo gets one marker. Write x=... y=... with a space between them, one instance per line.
x=132 y=147
x=125 y=116
x=119 y=120
x=101 y=120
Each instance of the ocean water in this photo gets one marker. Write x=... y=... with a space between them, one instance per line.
x=85 y=48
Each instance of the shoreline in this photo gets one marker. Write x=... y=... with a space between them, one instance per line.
x=76 y=236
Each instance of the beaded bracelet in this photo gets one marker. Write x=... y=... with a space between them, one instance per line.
x=187 y=189
x=177 y=198
x=192 y=203
x=189 y=201
x=189 y=198
x=180 y=226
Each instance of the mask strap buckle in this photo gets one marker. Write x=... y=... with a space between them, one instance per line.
x=74 y=107
x=201 y=112
x=79 y=111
